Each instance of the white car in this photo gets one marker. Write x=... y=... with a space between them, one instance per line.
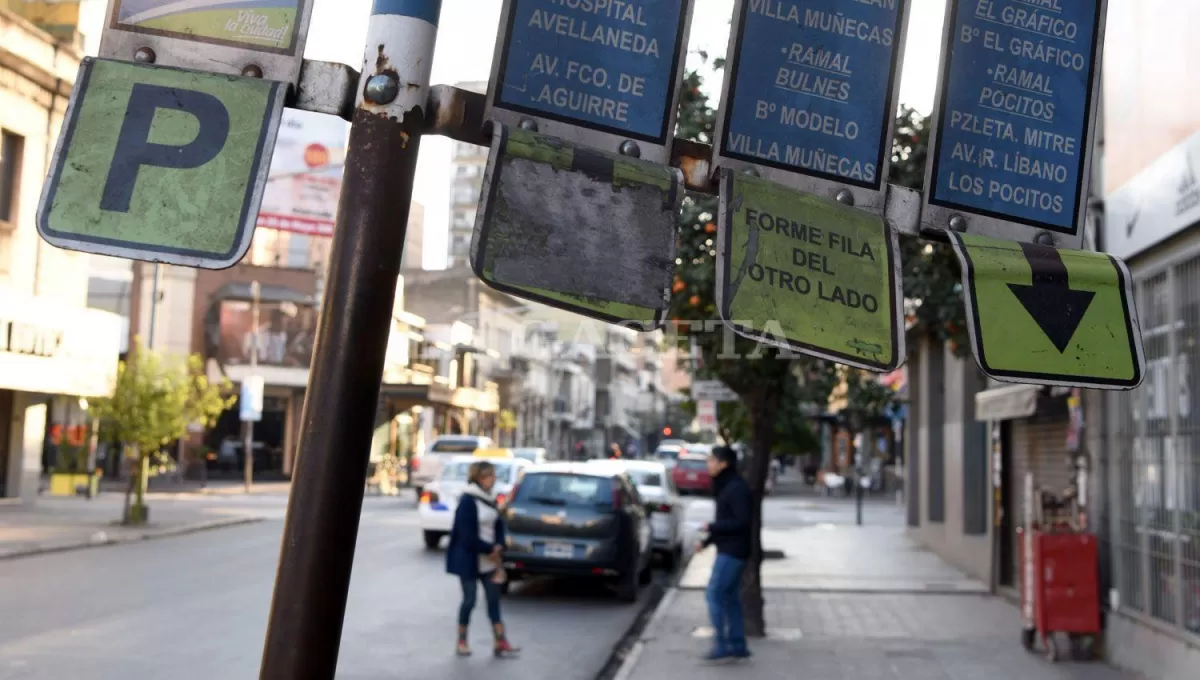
x=533 y=455
x=665 y=507
x=439 y=500
x=428 y=465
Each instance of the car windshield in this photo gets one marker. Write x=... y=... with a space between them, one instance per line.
x=692 y=464
x=458 y=471
x=565 y=489
x=455 y=446
x=667 y=452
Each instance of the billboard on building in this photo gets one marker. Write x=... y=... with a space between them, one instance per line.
x=286 y=334
x=306 y=174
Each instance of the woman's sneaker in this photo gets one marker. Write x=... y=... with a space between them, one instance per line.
x=504 y=650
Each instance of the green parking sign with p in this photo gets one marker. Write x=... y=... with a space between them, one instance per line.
x=161 y=164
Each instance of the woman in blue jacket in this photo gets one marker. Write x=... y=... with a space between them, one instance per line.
x=476 y=542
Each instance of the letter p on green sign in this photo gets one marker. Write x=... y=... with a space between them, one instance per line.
x=161 y=164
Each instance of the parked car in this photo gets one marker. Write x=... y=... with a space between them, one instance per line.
x=533 y=455
x=653 y=482
x=579 y=520
x=690 y=475
x=667 y=454
x=702 y=450
x=439 y=499
x=427 y=465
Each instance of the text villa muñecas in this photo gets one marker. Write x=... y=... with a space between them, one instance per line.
x=810 y=262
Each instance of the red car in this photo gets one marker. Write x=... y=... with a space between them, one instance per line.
x=690 y=475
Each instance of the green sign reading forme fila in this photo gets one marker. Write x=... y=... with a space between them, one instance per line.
x=808 y=274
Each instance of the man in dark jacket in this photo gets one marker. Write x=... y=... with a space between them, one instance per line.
x=730 y=533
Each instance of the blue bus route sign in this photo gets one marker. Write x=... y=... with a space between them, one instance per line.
x=1015 y=118
x=608 y=65
x=812 y=87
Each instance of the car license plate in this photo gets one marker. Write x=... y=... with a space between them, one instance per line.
x=660 y=525
x=693 y=477
x=562 y=551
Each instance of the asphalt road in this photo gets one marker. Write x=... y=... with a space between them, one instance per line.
x=195 y=606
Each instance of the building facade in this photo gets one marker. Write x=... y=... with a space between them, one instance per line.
x=467 y=164
x=54 y=352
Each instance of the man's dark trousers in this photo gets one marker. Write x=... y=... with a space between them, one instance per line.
x=725 y=606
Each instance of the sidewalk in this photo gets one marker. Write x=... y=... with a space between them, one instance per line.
x=852 y=603
x=55 y=524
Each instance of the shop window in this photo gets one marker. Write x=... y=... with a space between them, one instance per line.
x=1155 y=467
x=11 y=147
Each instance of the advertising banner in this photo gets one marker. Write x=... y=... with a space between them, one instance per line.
x=305 y=179
x=262 y=24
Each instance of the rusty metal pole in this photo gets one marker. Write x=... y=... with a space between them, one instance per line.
x=307 y=610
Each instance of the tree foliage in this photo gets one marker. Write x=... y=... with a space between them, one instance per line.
x=932 y=278
x=154 y=401
x=156 y=398
x=771 y=382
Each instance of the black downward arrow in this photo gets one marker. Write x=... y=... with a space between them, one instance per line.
x=1055 y=308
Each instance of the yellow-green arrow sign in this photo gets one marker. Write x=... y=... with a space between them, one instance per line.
x=161 y=164
x=1043 y=315
x=808 y=274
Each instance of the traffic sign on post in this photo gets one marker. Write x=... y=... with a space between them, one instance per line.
x=602 y=74
x=706 y=416
x=712 y=390
x=161 y=164
x=1049 y=316
x=577 y=229
x=255 y=38
x=810 y=96
x=1015 y=119
x=808 y=274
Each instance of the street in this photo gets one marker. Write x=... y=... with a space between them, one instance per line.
x=195 y=606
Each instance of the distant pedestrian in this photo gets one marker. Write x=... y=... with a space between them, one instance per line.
x=614 y=451
x=474 y=555
x=730 y=533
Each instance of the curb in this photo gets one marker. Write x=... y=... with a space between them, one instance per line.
x=101 y=538
x=631 y=659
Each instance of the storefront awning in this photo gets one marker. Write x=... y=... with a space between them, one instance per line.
x=1007 y=403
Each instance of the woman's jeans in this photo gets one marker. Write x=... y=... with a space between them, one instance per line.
x=725 y=606
x=491 y=592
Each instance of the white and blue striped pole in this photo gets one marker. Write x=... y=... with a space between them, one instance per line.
x=305 y=625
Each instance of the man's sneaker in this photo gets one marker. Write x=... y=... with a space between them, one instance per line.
x=716 y=656
x=741 y=654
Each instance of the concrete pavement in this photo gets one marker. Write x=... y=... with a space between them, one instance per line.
x=195 y=606
x=848 y=603
x=56 y=524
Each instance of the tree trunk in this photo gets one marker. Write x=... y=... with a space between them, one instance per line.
x=137 y=513
x=129 y=487
x=764 y=407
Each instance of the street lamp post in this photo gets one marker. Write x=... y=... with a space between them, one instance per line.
x=247 y=423
x=854 y=420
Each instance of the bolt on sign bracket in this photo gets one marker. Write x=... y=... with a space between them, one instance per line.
x=808 y=274
x=254 y=38
x=161 y=164
x=578 y=229
x=1050 y=316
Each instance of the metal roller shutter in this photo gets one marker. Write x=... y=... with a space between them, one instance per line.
x=1040 y=448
